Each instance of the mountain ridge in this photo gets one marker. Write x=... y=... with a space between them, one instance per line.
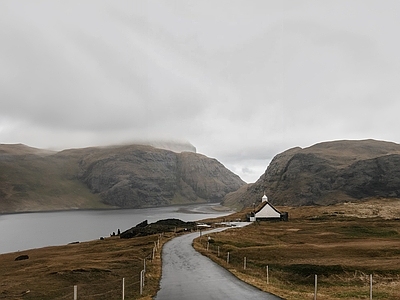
x=120 y=176
x=327 y=173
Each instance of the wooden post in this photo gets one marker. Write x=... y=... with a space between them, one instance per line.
x=315 y=287
x=123 y=288
x=208 y=245
x=244 y=263
x=227 y=258
x=218 y=251
x=370 y=286
x=267 y=275
x=75 y=292
x=144 y=265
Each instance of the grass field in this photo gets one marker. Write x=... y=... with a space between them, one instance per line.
x=341 y=244
x=96 y=267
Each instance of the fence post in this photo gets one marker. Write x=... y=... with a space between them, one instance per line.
x=144 y=264
x=208 y=245
x=267 y=275
x=227 y=258
x=315 y=287
x=141 y=282
x=144 y=277
x=123 y=288
x=218 y=251
x=75 y=292
x=370 y=286
x=244 y=263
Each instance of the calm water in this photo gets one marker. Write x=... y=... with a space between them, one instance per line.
x=35 y=230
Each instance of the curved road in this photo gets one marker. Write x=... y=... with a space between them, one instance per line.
x=186 y=274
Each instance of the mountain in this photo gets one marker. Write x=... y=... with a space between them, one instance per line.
x=127 y=176
x=326 y=173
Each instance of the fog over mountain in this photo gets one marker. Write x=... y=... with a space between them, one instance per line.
x=121 y=176
x=241 y=80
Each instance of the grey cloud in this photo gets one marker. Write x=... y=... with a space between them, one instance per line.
x=240 y=81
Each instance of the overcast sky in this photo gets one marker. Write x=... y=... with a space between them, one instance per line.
x=241 y=80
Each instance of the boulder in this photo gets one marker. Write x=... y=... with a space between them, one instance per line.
x=22 y=257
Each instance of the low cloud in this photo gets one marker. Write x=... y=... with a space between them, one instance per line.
x=241 y=81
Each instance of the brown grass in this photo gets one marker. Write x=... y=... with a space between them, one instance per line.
x=343 y=244
x=96 y=267
x=339 y=245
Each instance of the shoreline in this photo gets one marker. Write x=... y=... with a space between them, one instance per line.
x=99 y=223
x=222 y=209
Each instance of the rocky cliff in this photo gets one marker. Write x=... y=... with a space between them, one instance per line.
x=327 y=173
x=141 y=176
x=128 y=176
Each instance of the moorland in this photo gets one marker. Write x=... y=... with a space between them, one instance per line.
x=342 y=244
x=97 y=268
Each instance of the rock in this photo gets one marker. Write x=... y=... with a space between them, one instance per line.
x=127 y=176
x=161 y=226
x=139 y=176
x=22 y=257
x=327 y=173
x=142 y=224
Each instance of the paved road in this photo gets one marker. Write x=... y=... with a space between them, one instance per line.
x=186 y=274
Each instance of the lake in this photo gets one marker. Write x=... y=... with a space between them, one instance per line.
x=35 y=230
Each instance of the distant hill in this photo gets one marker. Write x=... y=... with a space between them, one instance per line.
x=326 y=173
x=127 y=176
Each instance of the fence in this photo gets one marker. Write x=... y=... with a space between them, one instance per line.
x=128 y=287
x=250 y=266
x=138 y=285
x=127 y=270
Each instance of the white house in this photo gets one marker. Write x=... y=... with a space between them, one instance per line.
x=266 y=211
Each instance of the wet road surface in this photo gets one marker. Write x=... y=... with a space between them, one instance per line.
x=186 y=274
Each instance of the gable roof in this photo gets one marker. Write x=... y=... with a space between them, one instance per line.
x=265 y=210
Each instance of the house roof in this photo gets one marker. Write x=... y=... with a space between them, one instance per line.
x=263 y=204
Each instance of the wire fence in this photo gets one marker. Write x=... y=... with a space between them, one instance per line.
x=122 y=288
x=369 y=284
x=131 y=287
x=128 y=277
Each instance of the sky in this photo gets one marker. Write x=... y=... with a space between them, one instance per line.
x=240 y=80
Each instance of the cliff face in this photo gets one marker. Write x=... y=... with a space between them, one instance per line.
x=129 y=176
x=145 y=176
x=328 y=173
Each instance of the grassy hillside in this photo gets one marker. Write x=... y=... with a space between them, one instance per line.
x=325 y=174
x=96 y=267
x=32 y=179
x=343 y=244
x=125 y=176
